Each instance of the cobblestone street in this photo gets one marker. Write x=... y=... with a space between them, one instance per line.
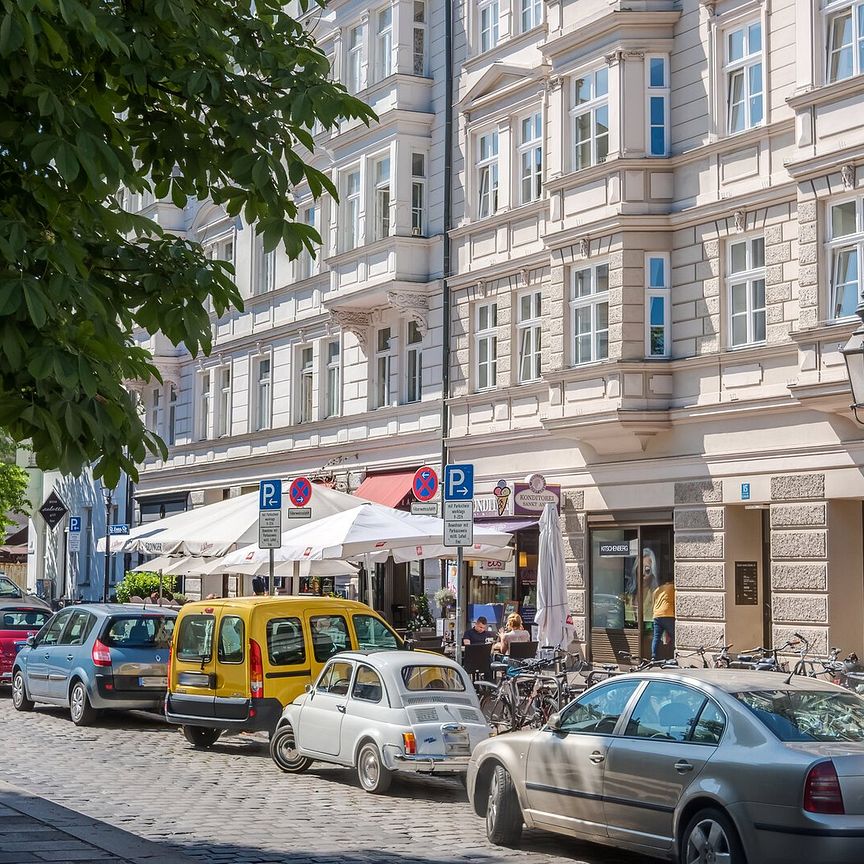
x=232 y=805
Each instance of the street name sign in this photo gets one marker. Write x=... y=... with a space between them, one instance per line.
x=299 y=513
x=458 y=523
x=119 y=529
x=424 y=508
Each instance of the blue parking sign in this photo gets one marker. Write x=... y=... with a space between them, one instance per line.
x=458 y=482
x=270 y=495
x=74 y=524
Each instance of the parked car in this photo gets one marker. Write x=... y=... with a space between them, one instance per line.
x=96 y=656
x=688 y=765
x=10 y=592
x=383 y=712
x=17 y=623
x=266 y=650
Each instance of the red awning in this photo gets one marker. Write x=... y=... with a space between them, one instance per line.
x=386 y=489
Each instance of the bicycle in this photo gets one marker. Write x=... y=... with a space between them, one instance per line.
x=644 y=663
x=702 y=650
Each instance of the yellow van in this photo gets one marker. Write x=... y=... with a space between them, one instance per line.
x=237 y=661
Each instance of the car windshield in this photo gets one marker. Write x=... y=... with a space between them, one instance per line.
x=432 y=678
x=808 y=715
x=150 y=631
x=22 y=619
x=8 y=588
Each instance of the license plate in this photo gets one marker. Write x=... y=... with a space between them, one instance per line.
x=456 y=743
x=153 y=681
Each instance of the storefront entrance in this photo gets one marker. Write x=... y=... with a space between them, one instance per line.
x=627 y=565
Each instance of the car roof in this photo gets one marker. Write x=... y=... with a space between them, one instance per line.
x=294 y=600
x=734 y=680
x=390 y=658
x=123 y=608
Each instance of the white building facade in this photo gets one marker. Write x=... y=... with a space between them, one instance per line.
x=658 y=240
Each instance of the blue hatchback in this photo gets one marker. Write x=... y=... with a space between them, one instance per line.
x=96 y=656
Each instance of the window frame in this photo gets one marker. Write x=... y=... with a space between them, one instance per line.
x=530 y=147
x=844 y=243
x=350 y=209
x=263 y=394
x=384 y=360
x=663 y=292
x=265 y=269
x=743 y=65
x=832 y=11
x=268 y=636
x=205 y=405
x=487 y=167
x=355 y=60
x=488 y=334
x=592 y=300
x=222 y=407
x=308 y=264
x=533 y=325
x=592 y=693
x=382 y=195
x=420 y=26
x=418 y=184
x=173 y=400
x=493 y=39
x=748 y=277
x=534 y=10
x=306 y=384
x=219 y=655
x=155 y=409
x=590 y=106
x=333 y=379
x=366 y=667
x=413 y=352
x=655 y=91
x=382 y=45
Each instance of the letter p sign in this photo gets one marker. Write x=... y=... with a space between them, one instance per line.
x=458 y=482
x=270 y=495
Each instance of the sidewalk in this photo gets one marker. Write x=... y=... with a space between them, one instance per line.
x=35 y=830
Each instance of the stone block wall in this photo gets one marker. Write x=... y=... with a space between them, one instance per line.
x=699 y=563
x=573 y=530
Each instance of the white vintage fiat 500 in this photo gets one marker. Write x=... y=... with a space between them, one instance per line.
x=382 y=712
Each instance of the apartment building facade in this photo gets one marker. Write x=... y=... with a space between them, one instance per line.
x=334 y=369
x=657 y=243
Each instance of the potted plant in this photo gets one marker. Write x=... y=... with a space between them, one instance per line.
x=421 y=616
x=446 y=599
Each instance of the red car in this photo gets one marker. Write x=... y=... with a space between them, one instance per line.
x=17 y=622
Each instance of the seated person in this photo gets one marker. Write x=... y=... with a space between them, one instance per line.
x=477 y=634
x=514 y=631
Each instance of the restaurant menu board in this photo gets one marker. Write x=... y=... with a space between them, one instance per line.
x=746 y=583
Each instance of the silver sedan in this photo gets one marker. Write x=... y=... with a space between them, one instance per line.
x=711 y=766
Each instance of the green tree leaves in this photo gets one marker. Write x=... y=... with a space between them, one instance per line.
x=182 y=98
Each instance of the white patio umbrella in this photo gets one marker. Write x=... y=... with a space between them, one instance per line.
x=218 y=528
x=552 y=606
x=477 y=552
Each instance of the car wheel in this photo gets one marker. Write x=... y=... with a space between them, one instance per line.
x=83 y=713
x=201 y=737
x=503 y=813
x=20 y=702
x=711 y=838
x=373 y=774
x=283 y=750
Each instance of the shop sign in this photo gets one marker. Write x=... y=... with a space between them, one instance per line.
x=530 y=498
x=489 y=506
x=492 y=565
x=618 y=549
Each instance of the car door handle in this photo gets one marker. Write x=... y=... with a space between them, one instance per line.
x=340 y=709
x=597 y=757
x=47 y=655
x=683 y=766
x=70 y=657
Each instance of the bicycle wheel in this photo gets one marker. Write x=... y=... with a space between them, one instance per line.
x=497 y=710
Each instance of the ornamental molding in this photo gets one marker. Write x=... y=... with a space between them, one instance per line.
x=415 y=307
x=355 y=322
x=847 y=176
x=740 y=221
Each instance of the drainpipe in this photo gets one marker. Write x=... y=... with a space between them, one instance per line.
x=448 y=221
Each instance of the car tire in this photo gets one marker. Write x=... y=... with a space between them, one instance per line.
x=20 y=700
x=201 y=737
x=80 y=709
x=284 y=753
x=375 y=777
x=712 y=828
x=503 y=813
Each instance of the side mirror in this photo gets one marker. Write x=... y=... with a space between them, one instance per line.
x=31 y=641
x=554 y=722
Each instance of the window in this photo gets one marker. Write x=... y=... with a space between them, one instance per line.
x=221 y=250
x=432 y=678
x=658 y=105
x=590 y=118
x=599 y=709
x=155 y=419
x=354 y=64
x=488 y=18
x=23 y=619
x=334 y=378
x=710 y=725
x=589 y=314
x=285 y=645
x=51 y=634
x=531 y=14
x=808 y=715
x=372 y=632
x=487 y=345
x=382 y=198
x=195 y=640
x=383 y=43
x=204 y=408
x=265 y=268
x=351 y=210
x=419 y=43
x=335 y=679
x=329 y=636
x=306 y=382
x=846 y=230
x=530 y=328
x=414 y=363
x=665 y=712
x=223 y=403
x=367 y=685
x=747 y=291
x=487 y=174
x=153 y=631
x=657 y=306
x=307 y=264
x=531 y=157
x=172 y=414
x=263 y=395
x=846 y=42
x=383 y=364
x=744 y=87
x=78 y=628
x=232 y=640
x=418 y=194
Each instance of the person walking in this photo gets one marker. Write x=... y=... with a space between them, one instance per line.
x=664 y=614
x=514 y=631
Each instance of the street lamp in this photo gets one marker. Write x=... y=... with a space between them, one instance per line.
x=107 y=494
x=853 y=354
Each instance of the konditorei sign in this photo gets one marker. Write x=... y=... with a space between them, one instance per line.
x=531 y=497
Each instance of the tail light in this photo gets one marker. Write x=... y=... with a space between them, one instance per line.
x=101 y=654
x=170 y=658
x=409 y=742
x=256 y=670
x=822 y=790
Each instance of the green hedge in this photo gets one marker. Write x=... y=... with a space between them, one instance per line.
x=143 y=584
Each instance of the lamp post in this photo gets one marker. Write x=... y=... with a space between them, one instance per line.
x=107 y=494
x=853 y=354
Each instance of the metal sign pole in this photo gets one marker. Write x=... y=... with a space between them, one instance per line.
x=461 y=625
x=272 y=580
